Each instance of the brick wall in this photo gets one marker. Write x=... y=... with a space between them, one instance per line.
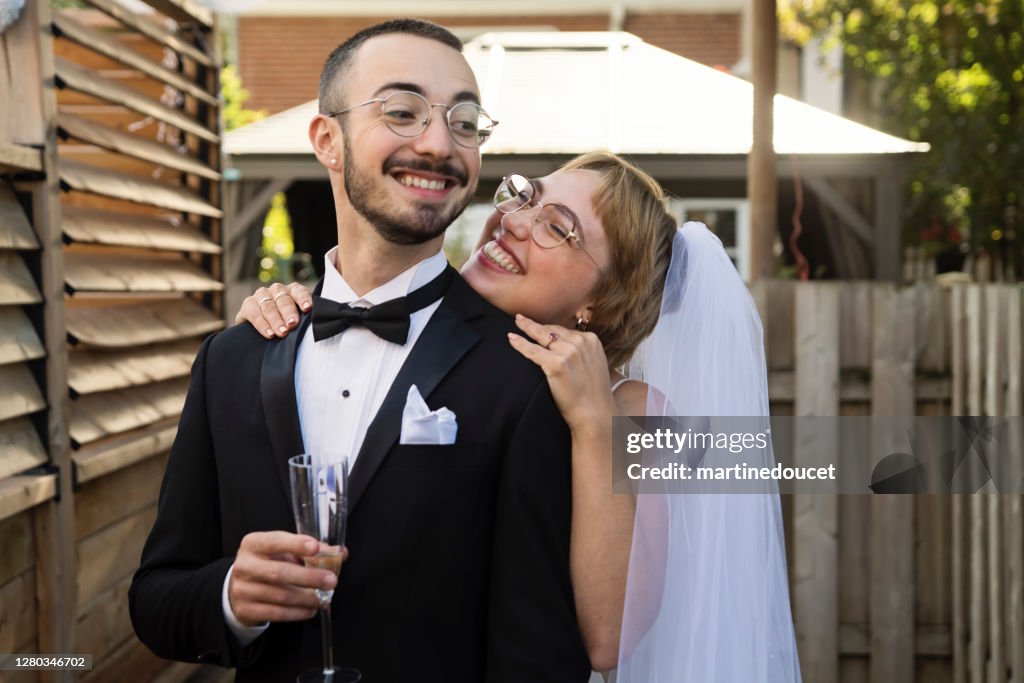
x=280 y=57
x=712 y=39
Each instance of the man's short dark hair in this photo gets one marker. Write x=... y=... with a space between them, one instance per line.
x=338 y=61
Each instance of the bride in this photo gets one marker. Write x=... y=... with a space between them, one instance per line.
x=669 y=586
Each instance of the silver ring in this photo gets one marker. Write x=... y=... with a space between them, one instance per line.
x=263 y=300
x=280 y=294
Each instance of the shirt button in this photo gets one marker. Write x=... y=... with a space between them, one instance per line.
x=346 y=393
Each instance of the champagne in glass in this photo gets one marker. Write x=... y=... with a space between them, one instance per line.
x=320 y=505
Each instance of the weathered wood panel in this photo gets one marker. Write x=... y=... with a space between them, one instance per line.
x=816 y=517
x=111 y=554
x=111 y=228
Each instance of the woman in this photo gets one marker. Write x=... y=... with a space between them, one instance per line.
x=582 y=257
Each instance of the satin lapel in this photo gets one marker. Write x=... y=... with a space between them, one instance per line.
x=277 y=392
x=443 y=342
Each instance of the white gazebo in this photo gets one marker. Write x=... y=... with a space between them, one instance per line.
x=559 y=94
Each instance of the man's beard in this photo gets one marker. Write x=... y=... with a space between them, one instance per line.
x=421 y=225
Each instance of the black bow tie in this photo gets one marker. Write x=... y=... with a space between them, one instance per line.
x=388 y=320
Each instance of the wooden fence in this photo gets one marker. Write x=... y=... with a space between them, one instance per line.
x=888 y=589
x=109 y=276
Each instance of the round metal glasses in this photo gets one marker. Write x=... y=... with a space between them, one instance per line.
x=407 y=114
x=554 y=224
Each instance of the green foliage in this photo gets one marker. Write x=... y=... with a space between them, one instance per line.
x=235 y=113
x=950 y=74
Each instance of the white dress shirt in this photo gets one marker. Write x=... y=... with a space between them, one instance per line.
x=341 y=382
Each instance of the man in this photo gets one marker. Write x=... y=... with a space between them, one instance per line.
x=458 y=565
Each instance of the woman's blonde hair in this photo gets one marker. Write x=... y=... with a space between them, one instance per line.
x=639 y=232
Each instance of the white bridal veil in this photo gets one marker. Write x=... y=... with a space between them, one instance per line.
x=707 y=597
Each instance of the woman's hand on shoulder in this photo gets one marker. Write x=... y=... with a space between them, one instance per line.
x=576 y=369
x=274 y=310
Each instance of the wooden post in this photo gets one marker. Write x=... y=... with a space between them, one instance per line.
x=1015 y=503
x=762 y=184
x=54 y=521
x=889 y=225
x=977 y=648
x=958 y=317
x=891 y=545
x=816 y=516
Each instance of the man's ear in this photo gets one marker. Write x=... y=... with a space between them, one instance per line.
x=324 y=138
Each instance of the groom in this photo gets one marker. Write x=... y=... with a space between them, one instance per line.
x=458 y=567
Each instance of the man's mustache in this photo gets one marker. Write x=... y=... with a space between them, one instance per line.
x=445 y=169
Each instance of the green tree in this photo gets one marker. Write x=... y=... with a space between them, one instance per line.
x=950 y=74
x=234 y=95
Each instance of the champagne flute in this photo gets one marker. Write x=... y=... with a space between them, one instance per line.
x=320 y=505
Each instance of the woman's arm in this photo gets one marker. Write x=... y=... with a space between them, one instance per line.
x=602 y=522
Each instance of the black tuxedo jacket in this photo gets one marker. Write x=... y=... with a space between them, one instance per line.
x=459 y=555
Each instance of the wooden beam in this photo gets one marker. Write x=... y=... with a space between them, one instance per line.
x=25 y=492
x=152 y=30
x=846 y=211
x=132 y=145
x=133 y=188
x=71 y=75
x=117 y=228
x=132 y=273
x=888 y=233
x=120 y=327
x=115 y=454
x=15 y=157
x=104 y=44
x=183 y=11
x=91 y=372
x=99 y=416
x=762 y=182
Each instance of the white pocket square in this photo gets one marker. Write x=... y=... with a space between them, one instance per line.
x=421 y=425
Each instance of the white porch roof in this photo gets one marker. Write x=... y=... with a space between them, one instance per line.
x=573 y=92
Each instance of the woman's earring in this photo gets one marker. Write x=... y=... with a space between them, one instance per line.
x=334 y=162
x=581 y=324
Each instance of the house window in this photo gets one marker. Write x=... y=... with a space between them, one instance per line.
x=729 y=219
